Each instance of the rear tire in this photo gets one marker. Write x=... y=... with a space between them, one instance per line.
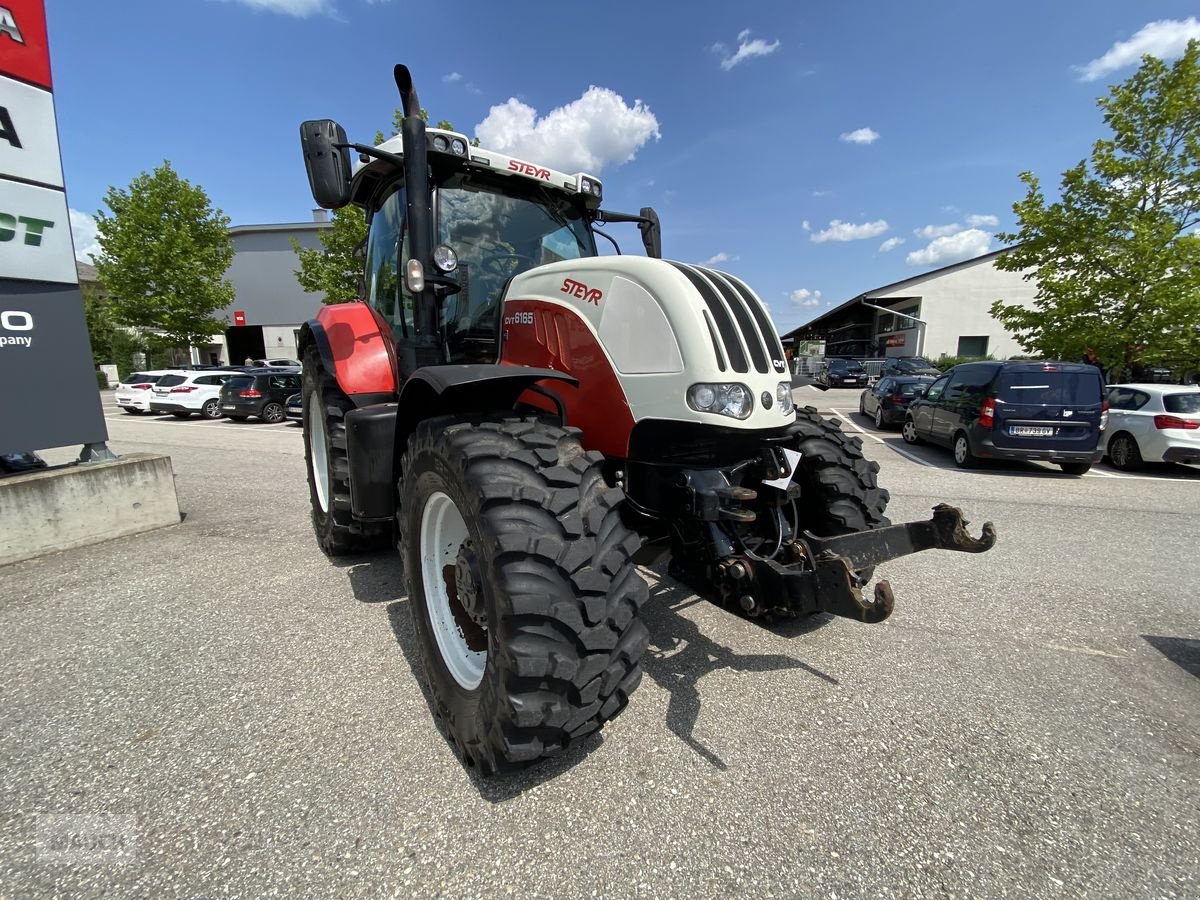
x=211 y=409
x=1124 y=453
x=964 y=457
x=273 y=413
x=546 y=646
x=879 y=423
x=1075 y=468
x=338 y=532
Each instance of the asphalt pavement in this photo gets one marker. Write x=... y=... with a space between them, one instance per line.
x=217 y=709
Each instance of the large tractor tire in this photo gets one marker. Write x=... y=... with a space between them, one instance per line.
x=325 y=407
x=522 y=585
x=839 y=490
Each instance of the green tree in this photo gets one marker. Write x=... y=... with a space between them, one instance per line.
x=164 y=251
x=335 y=270
x=1115 y=259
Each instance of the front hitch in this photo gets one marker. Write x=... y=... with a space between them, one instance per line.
x=820 y=576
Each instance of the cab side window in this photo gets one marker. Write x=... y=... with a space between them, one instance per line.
x=383 y=284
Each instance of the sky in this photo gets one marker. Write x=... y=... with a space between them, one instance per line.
x=815 y=149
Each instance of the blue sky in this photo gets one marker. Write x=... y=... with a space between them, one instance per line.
x=787 y=141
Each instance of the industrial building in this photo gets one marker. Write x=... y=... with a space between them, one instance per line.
x=945 y=312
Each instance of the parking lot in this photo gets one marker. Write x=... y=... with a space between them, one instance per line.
x=1025 y=724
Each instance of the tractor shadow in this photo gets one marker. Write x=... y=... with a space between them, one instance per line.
x=680 y=655
x=378 y=578
x=1184 y=652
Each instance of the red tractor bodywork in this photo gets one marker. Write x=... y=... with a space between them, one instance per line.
x=359 y=347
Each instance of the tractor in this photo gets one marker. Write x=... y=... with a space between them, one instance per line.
x=528 y=421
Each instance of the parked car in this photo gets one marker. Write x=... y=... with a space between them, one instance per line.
x=259 y=392
x=294 y=408
x=183 y=393
x=1152 y=423
x=842 y=373
x=133 y=391
x=909 y=365
x=890 y=396
x=280 y=363
x=1053 y=411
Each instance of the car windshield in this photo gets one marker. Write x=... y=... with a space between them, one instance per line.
x=1049 y=388
x=496 y=236
x=845 y=365
x=171 y=380
x=1182 y=403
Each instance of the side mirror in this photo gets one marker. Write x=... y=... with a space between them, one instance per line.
x=651 y=233
x=328 y=165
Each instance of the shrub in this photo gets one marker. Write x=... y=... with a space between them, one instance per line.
x=101 y=380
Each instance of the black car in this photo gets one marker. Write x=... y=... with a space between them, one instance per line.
x=887 y=401
x=294 y=407
x=909 y=365
x=842 y=373
x=259 y=392
x=1053 y=411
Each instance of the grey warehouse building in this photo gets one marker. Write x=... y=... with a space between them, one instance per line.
x=269 y=305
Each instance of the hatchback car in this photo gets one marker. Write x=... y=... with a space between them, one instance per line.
x=909 y=365
x=1052 y=411
x=1153 y=423
x=842 y=373
x=183 y=393
x=294 y=408
x=133 y=392
x=887 y=401
x=259 y=392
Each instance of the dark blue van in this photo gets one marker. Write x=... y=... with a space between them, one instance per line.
x=1052 y=411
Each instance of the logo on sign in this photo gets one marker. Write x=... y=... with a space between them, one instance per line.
x=582 y=291
x=8 y=25
x=32 y=228
x=12 y=322
x=527 y=169
x=896 y=340
x=239 y=317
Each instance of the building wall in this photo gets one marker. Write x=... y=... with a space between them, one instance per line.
x=263 y=273
x=957 y=303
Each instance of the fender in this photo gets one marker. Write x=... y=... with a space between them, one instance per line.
x=356 y=346
x=430 y=391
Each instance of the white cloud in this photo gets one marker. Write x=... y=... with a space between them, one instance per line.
x=585 y=135
x=951 y=248
x=83 y=233
x=845 y=231
x=860 y=136
x=719 y=258
x=452 y=77
x=822 y=193
x=301 y=9
x=1165 y=39
x=890 y=244
x=804 y=298
x=746 y=49
x=977 y=221
x=929 y=232
x=805 y=225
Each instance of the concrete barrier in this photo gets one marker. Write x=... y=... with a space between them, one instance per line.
x=57 y=509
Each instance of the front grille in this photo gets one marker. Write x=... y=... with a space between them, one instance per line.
x=742 y=326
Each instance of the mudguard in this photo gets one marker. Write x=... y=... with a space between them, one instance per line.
x=356 y=346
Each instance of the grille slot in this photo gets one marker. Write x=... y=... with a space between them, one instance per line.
x=742 y=325
x=755 y=342
x=725 y=324
x=769 y=335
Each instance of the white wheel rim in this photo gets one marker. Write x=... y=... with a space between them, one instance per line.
x=318 y=453
x=960 y=449
x=443 y=531
x=910 y=430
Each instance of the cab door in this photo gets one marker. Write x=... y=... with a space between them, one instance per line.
x=923 y=408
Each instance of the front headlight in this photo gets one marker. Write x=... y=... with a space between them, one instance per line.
x=783 y=393
x=731 y=400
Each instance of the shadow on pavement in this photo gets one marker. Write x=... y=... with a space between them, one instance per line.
x=379 y=578
x=680 y=655
x=1184 y=652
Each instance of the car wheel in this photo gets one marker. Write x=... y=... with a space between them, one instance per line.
x=862 y=405
x=963 y=457
x=273 y=413
x=879 y=423
x=1124 y=454
x=909 y=432
x=211 y=409
x=181 y=414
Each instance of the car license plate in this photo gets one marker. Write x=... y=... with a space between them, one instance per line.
x=228 y=406
x=1031 y=431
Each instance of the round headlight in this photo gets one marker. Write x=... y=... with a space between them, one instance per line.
x=596 y=188
x=445 y=258
x=783 y=393
x=459 y=146
x=440 y=143
x=737 y=401
x=701 y=396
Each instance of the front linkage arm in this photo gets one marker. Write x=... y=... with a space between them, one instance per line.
x=820 y=576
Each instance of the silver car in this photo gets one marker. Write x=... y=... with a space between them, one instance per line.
x=1152 y=423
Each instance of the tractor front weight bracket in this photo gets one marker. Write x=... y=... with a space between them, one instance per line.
x=820 y=572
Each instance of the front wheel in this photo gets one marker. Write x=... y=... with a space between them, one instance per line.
x=909 y=432
x=523 y=589
x=879 y=423
x=211 y=409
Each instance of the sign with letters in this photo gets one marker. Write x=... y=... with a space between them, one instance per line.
x=43 y=335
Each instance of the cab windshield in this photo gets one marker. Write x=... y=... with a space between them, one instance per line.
x=496 y=236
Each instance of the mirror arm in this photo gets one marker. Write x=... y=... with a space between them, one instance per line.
x=373 y=152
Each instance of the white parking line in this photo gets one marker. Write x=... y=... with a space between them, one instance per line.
x=845 y=418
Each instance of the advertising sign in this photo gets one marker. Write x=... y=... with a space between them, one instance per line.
x=43 y=336
x=897 y=340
